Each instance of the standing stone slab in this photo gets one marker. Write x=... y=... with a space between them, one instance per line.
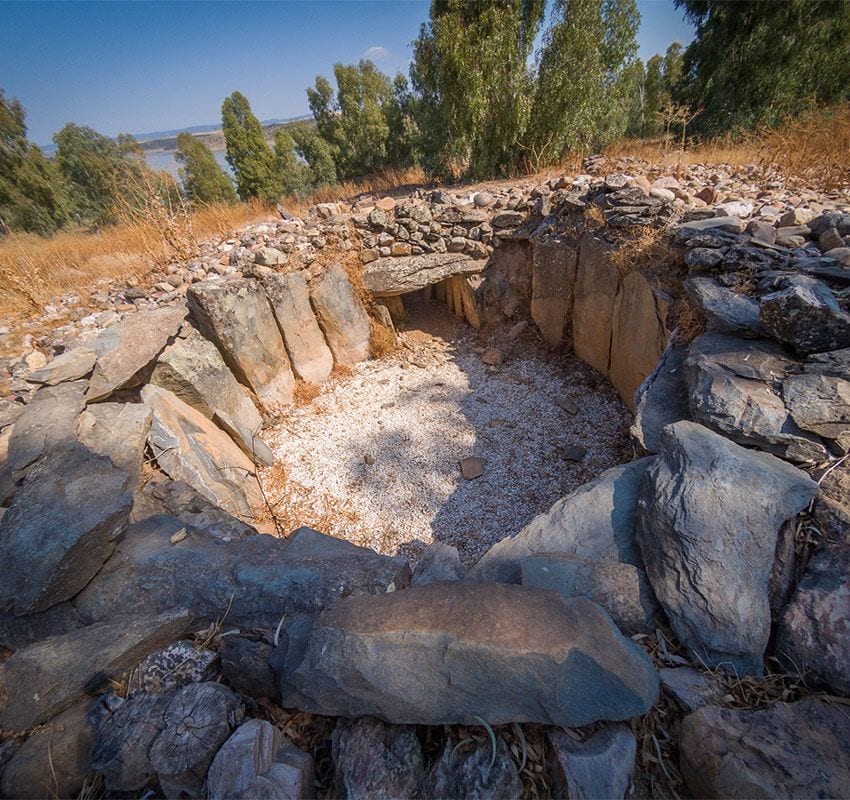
x=553 y=264
x=188 y=447
x=709 y=513
x=454 y=653
x=289 y=295
x=127 y=348
x=42 y=680
x=597 y=283
x=61 y=527
x=341 y=317
x=485 y=773
x=236 y=315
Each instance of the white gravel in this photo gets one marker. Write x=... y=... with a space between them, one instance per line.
x=421 y=410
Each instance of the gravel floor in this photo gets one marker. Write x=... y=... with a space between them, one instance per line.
x=374 y=458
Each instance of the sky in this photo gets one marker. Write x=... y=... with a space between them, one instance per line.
x=152 y=66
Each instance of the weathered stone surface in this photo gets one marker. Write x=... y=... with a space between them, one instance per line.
x=117 y=431
x=454 y=652
x=255 y=579
x=725 y=310
x=600 y=766
x=596 y=523
x=310 y=355
x=621 y=589
x=820 y=404
x=788 y=750
x=258 y=761
x=553 y=274
x=54 y=761
x=807 y=317
x=691 y=689
x=638 y=334
x=126 y=349
x=61 y=527
x=730 y=223
x=246 y=667
x=341 y=317
x=237 y=317
x=46 y=424
x=375 y=760
x=710 y=570
x=388 y=276
x=475 y=774
x=812 y=636
x=597 y=283
x=70 y=366
x=192 y=368
x=832 y=507
x=42 y=680
x=170 y=667
x=662 y=398
x=19 y=630
x=746 y=409
x=188 y=447
x=439 y=562
x=835 y=364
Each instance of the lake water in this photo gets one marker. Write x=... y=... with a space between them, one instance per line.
x=160 y=160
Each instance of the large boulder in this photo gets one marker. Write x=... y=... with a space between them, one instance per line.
x=595 y=523
x=188 y=447
x=289 y=295
x=399 y=275
x=253 y=580
x=126 y=349
x=597 y=284
x=61 y=527
x=343 y=320
x=820 y=404
x=236 y=316
x=709 y=513
x=459 y=652
x=725 y=310
x=787 y=750
x=553 y=274
x=193 y=369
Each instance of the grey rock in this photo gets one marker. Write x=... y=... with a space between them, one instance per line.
x=258 y=761
x=835 y=364
x=787 y=750
x=341 y=317
x=507 y=219
x=20 y=630
x=621 y=589
x=236 y=316
x=450 y=653
x=42 y=680
x=700 y=258
x=596 y=523
x=9 y=412
x=461 y=773
x=269 y=257
x=808 y=317
x=246 y=667
x=375 y=760
x=389 y=276
x=439 y=562
x=710 y=571
x=691 y=689
x=731 y=224
x=177 y=664
x=130 y=347
x=61 y=527
x=831 y=510
x=289 y=295
x=553 y=267
x=70 y=366
x=600 y=766
x=256 y=579
x=820 y=404
x=725 y=310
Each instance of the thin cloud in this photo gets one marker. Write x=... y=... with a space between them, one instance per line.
x=376 y=53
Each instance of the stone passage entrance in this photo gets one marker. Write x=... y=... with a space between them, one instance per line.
x=375 y=458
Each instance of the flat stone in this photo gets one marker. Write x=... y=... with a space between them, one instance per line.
x=341 y=317
x=190 y=448
x=691 y=689
x=820 y=404
x=42 y=680
x=439 y=562
x=600 y=766
x=726 y=223
x=70 y=366
x=595 y=523
x=492 y=357
x=471 y=467
x=481 y=773
x=127 y=348
x=725 y=310
x=454 y=653
x=310 y=355
x=20 y=630
x=786 y=751
x=394 y=275
x=61 y=527
x=710 y=571
x=237 y=317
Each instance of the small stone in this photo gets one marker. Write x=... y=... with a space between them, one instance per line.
x=691 y=689
x=368 y=459
x=471 y=467
x=829 y=240
x=567 y=405
x=573 y=452
x=493 y=357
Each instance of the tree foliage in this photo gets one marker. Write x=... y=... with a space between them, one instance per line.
x=317 y=153
x=204 y=181
x=248 y=152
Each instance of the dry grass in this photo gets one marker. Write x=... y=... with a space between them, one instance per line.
x=306 y=392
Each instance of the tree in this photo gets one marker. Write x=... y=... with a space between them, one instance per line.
x=657 y=96
x=248 y=152
x=293 y=172
x=759 y=62
x=318 y=154
x=203 y=180
x=401 y=120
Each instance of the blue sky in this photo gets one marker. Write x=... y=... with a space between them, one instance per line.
x=150 y=66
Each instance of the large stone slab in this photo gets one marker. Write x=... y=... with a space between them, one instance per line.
x=597 y=283
x=188 y=447
x=342 y=319
x=289 y=295
x=129 y=347
x=596 y=523
x=709 y=513
x=193 y=369
x=788 y=750
x=42 y=680
x=399 y=275
x=553 y=273
x=61 y=527
x=254 y=580
x=725 y=310
x=460 y=652
x=236 y=316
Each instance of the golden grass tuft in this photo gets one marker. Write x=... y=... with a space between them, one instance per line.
x=383 y=341
x=306 y=393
